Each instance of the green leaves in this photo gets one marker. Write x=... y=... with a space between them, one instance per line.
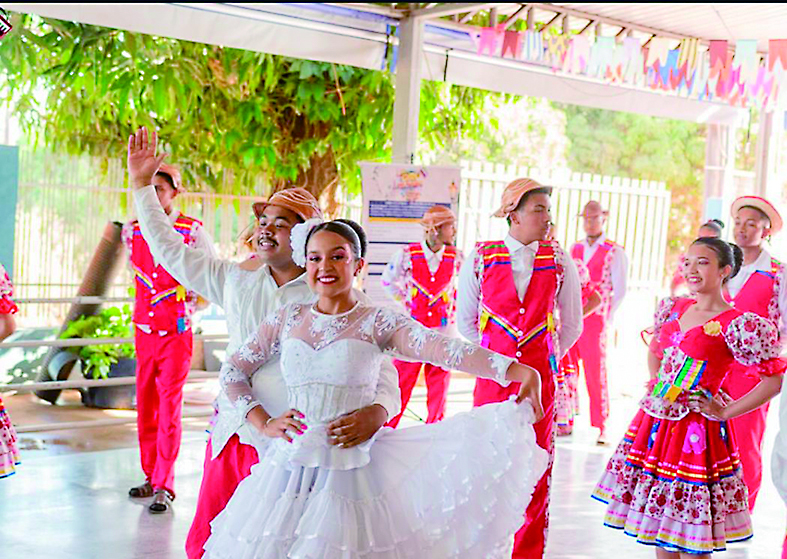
x=219 y=110
x=111 y=322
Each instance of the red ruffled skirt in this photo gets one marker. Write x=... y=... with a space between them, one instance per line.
x=677 y=484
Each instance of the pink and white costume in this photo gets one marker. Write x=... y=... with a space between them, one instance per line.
x=425 y=281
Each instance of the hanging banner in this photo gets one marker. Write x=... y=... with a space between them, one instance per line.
x=395 y=198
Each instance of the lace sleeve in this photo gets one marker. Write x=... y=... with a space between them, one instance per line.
x=754 y=342
x=259 y=347
x=409 y=340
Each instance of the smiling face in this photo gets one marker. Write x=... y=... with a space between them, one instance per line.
x=750 y=228
x=446 y=233
x=273 y=236
x=331 y=264
x=701 y=269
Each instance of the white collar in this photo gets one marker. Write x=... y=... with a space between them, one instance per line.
x=428 y=251
x=514 y=246
x=763 y=262
x=600 y=241
x=266 y=271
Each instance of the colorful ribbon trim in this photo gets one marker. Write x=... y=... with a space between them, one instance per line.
x=142 y=277
x=687 y=379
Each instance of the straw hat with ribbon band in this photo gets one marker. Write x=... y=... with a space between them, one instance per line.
x=298 y=200
x=764 y=206
x=594 y=207
x=437 y=216
x=173 y=173
x=513 y=194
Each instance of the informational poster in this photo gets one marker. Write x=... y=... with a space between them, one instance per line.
x=395 y=198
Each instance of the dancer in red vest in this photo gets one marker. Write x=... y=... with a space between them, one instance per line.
x=508 y=294
x=162 y=315
x=422 y=276
x=567 y=379
x=758 y=288
x=607 y=264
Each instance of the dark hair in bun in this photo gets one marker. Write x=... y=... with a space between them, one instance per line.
x=358 y=231
x=715 y=225
x=349 y=230
x=727 y=253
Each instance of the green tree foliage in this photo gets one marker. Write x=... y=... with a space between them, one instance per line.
x=227 y=116
x=629 y=145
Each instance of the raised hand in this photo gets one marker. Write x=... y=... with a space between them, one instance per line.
x=142 y=160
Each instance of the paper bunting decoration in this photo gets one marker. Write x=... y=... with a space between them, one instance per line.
x=658 y=50
x=777 y=55
x=556 y=49
x=737 y=75
x=578 y=55
x=489 y=40
x=601 y=58
x=512 y=44
x=688 y=54
x=534 y=46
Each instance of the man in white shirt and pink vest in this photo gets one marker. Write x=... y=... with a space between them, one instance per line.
x=608 y=266
x=509 y=292
x=422 y=276
x=759 y=288
x=163 y=343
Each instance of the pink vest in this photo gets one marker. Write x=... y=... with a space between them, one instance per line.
x=521 y=329
x=431 y=296
x=600 y=268
x=160 y=301
x=759 y=293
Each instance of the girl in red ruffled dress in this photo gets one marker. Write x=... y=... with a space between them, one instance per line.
x=9 y=454
x=675 y=480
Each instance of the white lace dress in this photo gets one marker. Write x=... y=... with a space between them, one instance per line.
x=455 y=489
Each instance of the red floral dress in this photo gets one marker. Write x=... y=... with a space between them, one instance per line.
x=567 y=379
x=9 y=454
x=675 y=479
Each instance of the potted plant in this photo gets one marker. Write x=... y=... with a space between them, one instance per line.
x=106 y=361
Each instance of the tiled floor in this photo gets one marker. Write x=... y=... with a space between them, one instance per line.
x=68 y=500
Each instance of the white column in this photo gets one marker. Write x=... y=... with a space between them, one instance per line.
x=719 y=167
x=766 y=159
x=408 y=90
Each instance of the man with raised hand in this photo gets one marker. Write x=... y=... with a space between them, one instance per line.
x=248 y=292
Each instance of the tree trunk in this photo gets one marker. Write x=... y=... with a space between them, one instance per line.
x=322 y=176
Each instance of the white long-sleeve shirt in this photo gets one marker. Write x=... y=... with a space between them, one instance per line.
x=763 y=263
x=618 y=269
x=569 y=296
x=247 y=298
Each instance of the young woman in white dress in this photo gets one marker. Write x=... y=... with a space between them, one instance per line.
x=454 y=489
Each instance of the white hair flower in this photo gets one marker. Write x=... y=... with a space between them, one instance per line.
x=298 y=236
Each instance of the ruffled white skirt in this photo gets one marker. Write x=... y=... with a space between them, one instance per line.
x=455 y=489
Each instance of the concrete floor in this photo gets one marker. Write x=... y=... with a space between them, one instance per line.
x=68 y=499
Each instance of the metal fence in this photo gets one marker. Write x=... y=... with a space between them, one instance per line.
x=63 y=206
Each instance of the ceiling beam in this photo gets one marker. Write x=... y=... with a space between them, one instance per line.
x=449 y=10
x=515 y=16
x=548 y=24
